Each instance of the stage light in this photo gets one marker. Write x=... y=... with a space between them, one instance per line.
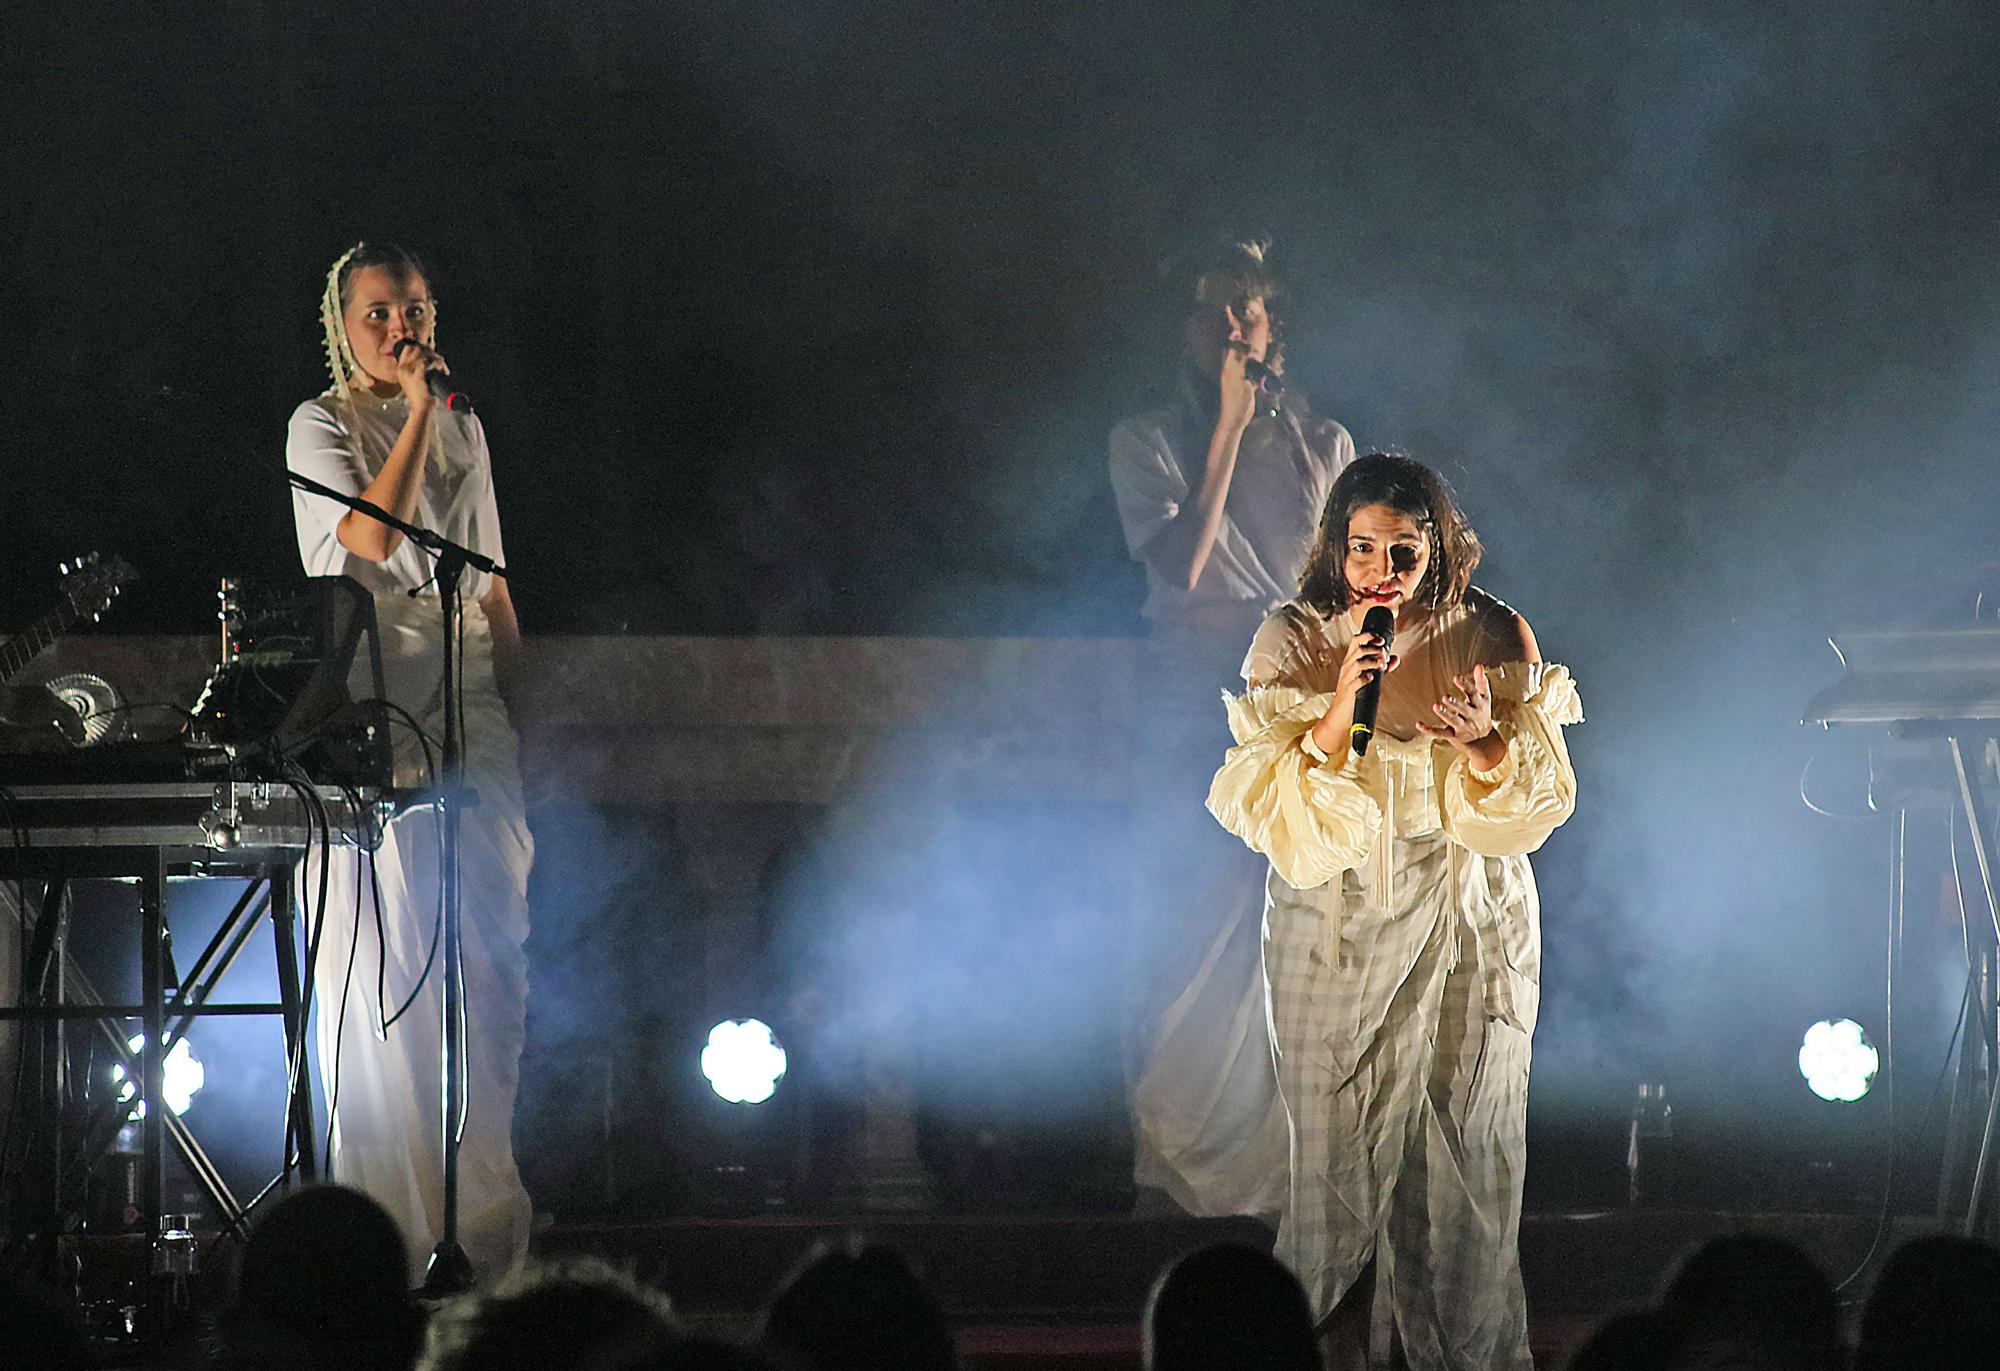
x=1838 y=1061
x=182 y=1075
x=743 y=1061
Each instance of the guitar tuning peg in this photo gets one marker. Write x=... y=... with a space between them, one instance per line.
x=62 y=568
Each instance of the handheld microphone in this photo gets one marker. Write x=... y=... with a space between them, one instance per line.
x=1380 y=622
x=1260 y=375
x=439 y=383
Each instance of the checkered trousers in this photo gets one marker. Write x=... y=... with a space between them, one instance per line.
x=1407 y=1106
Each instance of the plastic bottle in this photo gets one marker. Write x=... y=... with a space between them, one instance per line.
x=1649 y=1163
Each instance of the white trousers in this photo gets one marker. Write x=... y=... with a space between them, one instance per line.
x=1207 y=1126
x=387 y=1090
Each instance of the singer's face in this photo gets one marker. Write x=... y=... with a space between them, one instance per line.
x=1243 y=324
x=385 y=306
x=1387 y=555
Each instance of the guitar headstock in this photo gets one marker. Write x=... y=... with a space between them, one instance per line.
x=92 y=582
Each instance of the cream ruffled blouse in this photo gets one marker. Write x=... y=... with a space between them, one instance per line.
x=1315 y=819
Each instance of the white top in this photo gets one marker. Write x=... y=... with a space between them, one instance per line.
x=1285 y=468
x=343 y=444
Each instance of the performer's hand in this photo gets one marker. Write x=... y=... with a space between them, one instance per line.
x=1239 y=394
x=1366 y=659
x=1466 y=720
x=412 y=366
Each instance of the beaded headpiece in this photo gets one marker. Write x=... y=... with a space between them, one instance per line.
x=339 y=352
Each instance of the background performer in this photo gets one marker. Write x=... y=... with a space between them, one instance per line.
x=1402 y=946
x=1219 y=494
x=378 y=433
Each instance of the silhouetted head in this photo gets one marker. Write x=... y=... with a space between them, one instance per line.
x=1936 y=1306
x=858 y=1306
x=324 y=1269
x=1760 y=1297
x=323 y=1246
x=703 y=1354
x=1229 y=1306
x=578 y=1313
x=1636 y=1340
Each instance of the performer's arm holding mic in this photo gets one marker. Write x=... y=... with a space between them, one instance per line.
x=1368 y=659
x=1186 y=543
x=389 y=322
x=1238 y=408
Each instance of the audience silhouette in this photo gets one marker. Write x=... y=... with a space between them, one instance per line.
x=1754 y=1301
x=1935 y=1307
x=1230 y=1306
x=319 y=1284
x=857 y=1305
x=579 y=1313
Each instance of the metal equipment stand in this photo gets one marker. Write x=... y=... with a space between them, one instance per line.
x=1964 y=1188
x=60 y=994
x=1941 y=687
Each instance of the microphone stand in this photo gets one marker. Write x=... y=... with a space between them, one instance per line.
x=450 y=1270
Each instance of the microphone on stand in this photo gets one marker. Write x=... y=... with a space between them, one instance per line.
x=439 y=383
x=1380 y=622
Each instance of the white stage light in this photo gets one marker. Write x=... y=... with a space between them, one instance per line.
x=182 y=1075
x=743 y=1061
x=1838 y=1061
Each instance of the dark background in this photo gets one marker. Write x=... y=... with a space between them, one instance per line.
x=813 y=318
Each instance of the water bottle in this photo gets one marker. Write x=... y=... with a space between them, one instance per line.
x=1649 y=1145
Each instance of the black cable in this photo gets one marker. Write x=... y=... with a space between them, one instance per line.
x=430 y=957
x=315 y=930
x=340 y=1022
x=1805 y=777
x=409 y=721
x=431 y=772
x=1897 y=894
x=437 y=920
x=381 y=951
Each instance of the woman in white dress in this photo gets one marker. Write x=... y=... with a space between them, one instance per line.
x=1402 y=942
x=380 y=434
x=1219 y=495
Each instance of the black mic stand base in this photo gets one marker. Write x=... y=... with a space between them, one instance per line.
x=449 y=1274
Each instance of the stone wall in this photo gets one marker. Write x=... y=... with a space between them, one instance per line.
x=671 y=720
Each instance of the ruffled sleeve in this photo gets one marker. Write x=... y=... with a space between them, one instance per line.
x=1275 y=791
x=1511 y=810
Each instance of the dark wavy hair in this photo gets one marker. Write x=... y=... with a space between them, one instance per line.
x=1226 y=275
x=1412 y=490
